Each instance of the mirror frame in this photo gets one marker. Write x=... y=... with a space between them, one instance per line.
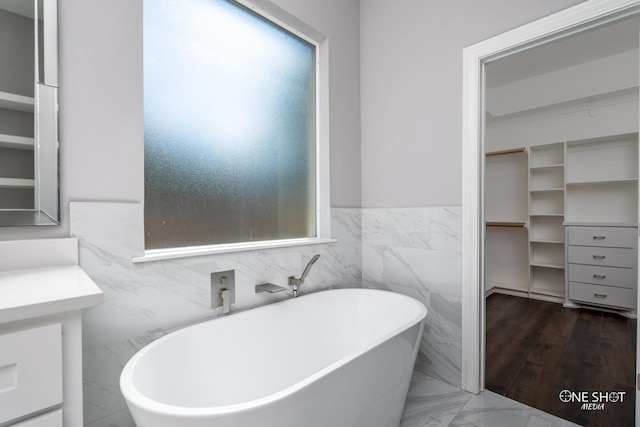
x=46 y=209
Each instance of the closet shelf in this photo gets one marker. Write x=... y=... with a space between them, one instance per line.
x=602 y=182
x=16 y=183
x=503 y=152
x=547 y=265
x=540 y=190
x=542 y=167
x=559 y=242
x=11 y=101
x=547 y=215
x=600 y=224
x=16 y=142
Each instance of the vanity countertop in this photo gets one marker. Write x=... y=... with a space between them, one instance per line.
x=44 y=291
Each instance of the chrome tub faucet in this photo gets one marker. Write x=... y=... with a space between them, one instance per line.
x=296 y=283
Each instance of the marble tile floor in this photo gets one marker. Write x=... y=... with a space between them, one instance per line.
x=434 y=403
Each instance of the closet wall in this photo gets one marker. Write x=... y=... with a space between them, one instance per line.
x=561 y=202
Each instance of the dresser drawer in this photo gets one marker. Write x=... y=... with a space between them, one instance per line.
x=30 y=371
x=606 y=276
x=612 y=257
x=602 y=295
x=615 y=237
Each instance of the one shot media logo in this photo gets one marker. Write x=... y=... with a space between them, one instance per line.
x=592 y=400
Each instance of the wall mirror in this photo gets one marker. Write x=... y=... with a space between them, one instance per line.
x=28 y=113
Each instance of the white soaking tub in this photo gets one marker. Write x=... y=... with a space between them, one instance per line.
x=336 y=358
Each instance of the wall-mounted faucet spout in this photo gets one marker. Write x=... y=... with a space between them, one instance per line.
x=298 y=282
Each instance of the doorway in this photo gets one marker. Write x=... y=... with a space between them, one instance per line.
x=561 y=160
x=552 y=29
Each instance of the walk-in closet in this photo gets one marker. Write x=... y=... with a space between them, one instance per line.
x=561 y=220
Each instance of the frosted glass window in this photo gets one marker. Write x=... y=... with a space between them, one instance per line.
x=229 y=126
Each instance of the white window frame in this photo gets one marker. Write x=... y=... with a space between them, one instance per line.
x=281 y=18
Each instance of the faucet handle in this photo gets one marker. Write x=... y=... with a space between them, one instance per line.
x=292 y=281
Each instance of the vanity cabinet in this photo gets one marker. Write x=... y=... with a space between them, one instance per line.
x=31 y=374
x=41 y=345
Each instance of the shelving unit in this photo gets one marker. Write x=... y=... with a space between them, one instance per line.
x=602 y=221
x=506 y=215
x=17 y=105
x=535 y=245
x=546 y=217
x=602 y=180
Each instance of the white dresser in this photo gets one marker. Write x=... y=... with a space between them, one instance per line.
x=602 y=265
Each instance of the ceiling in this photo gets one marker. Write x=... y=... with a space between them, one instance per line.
x=587 y=65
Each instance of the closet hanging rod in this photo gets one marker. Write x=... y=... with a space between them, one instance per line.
x=500 y=153
x=505 y=224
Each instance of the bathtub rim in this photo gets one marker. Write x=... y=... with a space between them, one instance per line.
x=136 y=398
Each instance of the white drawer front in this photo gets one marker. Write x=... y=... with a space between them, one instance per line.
x=606 y=276
x=615 y=237
x=612 y=257
x=603 y=295
x=50 y=419
x=30 y=371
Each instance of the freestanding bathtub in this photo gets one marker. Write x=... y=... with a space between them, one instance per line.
x=335 y=358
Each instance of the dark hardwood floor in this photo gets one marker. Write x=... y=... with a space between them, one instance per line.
x=537 y=349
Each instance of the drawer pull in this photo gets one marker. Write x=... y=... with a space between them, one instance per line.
x=599 y=237
x=600 y=295
x=599 y=276
x=598 y=257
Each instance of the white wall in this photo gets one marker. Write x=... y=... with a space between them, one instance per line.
x=411 y=80
x=605 y=116
x=101 y=110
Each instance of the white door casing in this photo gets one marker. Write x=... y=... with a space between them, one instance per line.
x=581 y=17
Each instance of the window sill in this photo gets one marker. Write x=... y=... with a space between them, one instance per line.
x=172 y=253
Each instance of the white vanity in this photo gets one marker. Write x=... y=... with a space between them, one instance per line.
x=41 y=333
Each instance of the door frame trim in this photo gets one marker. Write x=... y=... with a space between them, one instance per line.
x=573 y=20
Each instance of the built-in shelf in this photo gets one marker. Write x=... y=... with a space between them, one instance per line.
x=16 y=142
x=547 y=265
x=16 y=183
x=557 y=165
x=11 y=101
x=530 y=262
x=540 y=190
x=546 y=214
x=603 y=182
x=600 y=224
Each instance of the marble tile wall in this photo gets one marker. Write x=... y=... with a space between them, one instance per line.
x=145 y=301
x=417 y=252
